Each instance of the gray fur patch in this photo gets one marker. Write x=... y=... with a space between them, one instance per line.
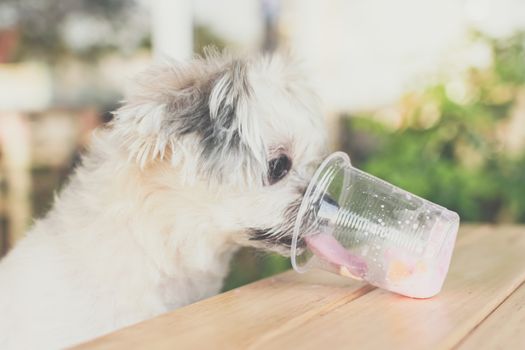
x=217 y=129
x=201 y=98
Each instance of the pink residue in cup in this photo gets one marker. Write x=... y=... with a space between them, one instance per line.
x=327 y=248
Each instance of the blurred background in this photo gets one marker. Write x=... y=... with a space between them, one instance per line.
x=427 y=94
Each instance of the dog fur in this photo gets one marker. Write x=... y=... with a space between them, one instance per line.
x=163 y=198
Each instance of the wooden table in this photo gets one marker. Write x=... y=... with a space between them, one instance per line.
x=482 y=306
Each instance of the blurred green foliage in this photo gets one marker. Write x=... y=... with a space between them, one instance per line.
x=451 y=145
x=250 y=265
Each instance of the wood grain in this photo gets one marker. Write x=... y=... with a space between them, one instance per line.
x=484 y=271
x=503 y=329
x=321 y=311
x=237 y=318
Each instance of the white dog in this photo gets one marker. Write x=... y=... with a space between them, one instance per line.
x=203 y=158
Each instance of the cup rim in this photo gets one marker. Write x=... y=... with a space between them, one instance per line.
x=311 y=192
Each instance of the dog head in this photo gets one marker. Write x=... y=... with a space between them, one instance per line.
x=241 y=137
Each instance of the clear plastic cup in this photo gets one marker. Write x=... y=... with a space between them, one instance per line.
x=356 y=225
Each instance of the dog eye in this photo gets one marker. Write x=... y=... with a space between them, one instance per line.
x=278 y=168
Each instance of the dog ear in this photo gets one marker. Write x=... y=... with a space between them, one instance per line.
x=229 y=137
x=139 y=125
x=203 y=106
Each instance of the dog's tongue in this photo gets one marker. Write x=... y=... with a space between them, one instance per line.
x=327 y=248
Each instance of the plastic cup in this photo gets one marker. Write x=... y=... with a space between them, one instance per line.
x=356 y=225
